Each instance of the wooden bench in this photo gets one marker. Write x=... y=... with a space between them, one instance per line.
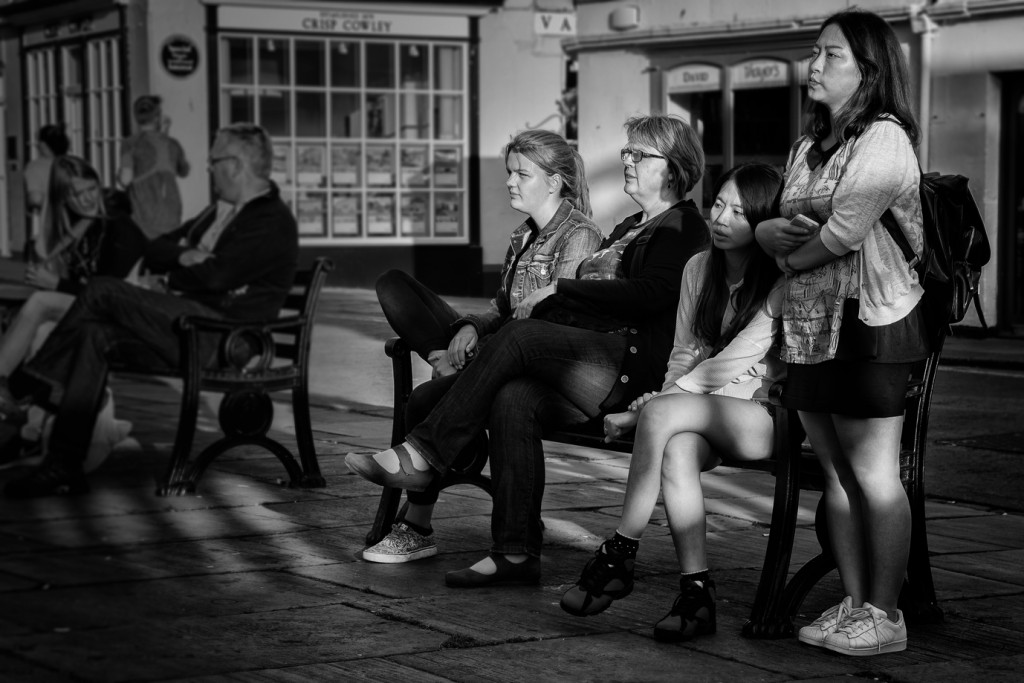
x=778 y=597
x=256 y=358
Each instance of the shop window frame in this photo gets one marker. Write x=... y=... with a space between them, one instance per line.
x=425 y=174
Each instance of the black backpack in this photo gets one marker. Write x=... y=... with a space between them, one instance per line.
x=955 y=249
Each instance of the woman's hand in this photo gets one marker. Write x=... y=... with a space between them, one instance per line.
x=782 y=261
x=640 y=401
x=462 y=346
x=779 y=236
x=525 y=307
x=617 y=424
x=41 y=277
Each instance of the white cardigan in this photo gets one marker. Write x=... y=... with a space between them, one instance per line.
x=744 y=368
x=875 y=171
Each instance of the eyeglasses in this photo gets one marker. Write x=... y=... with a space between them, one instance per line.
x=213 y=161
x=637 y=156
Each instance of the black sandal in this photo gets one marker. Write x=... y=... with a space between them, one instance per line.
x=608 y=576
x=692 y=614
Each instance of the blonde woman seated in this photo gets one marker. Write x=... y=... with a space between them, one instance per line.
x=80 y=241
x=707 y=410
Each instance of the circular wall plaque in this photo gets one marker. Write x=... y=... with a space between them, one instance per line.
x=180 y=56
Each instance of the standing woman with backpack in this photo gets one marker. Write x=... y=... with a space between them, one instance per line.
x=853 y=329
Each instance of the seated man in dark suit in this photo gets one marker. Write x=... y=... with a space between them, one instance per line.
x=236 y=259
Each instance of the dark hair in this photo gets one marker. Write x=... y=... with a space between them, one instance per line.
x=58 y=220
x=677 y=141
x=555 y=156
x=254 y=146
x=146 y=109
x=54 y=137
x=885 y=80
x=759 y=187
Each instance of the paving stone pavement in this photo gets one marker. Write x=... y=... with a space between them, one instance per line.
x=251 y=581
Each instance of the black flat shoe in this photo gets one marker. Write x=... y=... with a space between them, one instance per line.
x=507 y=574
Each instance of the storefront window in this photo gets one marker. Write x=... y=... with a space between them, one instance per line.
x=370 y=139
x=79 y=83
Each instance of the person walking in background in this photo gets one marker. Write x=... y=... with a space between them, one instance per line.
x=853 y=330
x=711 y=406
x=52 y=143
x=151 y=163
x=547 y=182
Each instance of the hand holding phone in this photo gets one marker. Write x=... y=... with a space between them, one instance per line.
x=803 y=221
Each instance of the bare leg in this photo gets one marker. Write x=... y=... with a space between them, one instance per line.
x=872 y=448
x=868 y=510
x=734 y=427
x=41 y=307
x=843 y=510
x=686 y=456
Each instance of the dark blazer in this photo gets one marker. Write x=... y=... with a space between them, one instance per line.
x=644 y=300
x=253 y=265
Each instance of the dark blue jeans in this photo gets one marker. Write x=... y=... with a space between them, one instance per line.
x=416 y=314
x=570 y=372
x=109 y=320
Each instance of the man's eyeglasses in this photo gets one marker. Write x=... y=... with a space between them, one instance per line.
x=213 y=161
x=637 y=156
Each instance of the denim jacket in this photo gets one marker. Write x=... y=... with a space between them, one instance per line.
x=535 y=259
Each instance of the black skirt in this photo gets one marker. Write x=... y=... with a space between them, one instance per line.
x=869 y=375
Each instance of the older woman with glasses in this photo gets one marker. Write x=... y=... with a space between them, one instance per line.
x=580 y=347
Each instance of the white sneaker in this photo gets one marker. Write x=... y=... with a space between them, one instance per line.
x=401 y=545
x=867 y=631
x=825 y=625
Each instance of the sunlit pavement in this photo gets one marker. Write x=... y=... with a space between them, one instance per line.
x=251 y=581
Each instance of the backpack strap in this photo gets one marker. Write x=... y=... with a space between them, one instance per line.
x=900 y=237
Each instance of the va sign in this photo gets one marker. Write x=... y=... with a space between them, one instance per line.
x=554 y=23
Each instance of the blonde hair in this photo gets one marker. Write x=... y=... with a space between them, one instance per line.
x=555 y=156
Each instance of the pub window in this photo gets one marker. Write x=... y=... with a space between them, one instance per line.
x=369 y=135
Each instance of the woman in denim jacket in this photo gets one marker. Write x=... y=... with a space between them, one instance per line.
x=546 y=181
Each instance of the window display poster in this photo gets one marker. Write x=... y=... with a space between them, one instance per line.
x=380 y=214
x=309 y=212
x=414 y=167
x=414 y=214
x=345 y=210
x=447 y=214
x=380 y=166
x=446 y=167
x=345 y=165
x=281 y=171
x=309 y=165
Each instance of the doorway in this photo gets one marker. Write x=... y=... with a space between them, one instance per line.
x=1010 y=300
